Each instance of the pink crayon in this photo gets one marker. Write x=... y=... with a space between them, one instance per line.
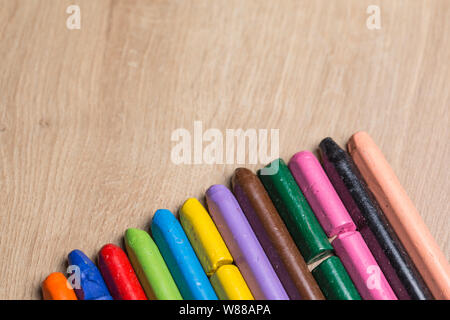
x=362 y=267
x=335 y=220
x=320 y=193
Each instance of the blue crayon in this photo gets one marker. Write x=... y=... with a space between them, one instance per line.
x=180 y=257
x=92 y=285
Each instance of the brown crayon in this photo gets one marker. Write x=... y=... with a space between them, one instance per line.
x=274 y=237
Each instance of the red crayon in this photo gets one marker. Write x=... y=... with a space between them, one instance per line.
x=119 y=275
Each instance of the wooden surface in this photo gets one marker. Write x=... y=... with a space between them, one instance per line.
x=86 y=115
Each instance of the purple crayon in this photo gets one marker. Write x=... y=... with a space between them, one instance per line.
x=243 y=245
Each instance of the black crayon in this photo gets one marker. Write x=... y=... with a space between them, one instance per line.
x=381 y=239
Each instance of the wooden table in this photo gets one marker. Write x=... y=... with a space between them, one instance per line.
x=86 y=116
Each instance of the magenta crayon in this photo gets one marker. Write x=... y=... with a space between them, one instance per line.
x=362 y=267
x=243 y=245
x=321 y=196
x=336 y=221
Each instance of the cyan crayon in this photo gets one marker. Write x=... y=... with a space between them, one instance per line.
x=180 y=257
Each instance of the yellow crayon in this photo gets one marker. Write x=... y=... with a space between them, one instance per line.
x=229 y=284
x=204 y=236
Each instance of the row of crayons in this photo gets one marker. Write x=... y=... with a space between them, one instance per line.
x=344 y=229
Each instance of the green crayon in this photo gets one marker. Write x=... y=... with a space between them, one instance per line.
x=334 y=280
x=295 y=211
x=150 y=266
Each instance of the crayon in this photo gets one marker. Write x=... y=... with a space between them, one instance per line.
x=334 y=280
x=401 y=214
x=296 y=212
x=92 y=285
x=212 y=252
x=320 y=194
x=229 y=284
x=274 y=237
x=180 y=257
x=119 y=275
x=336 y=221
x=243 y=245
x=150 y=266
x=56 y=287
x=362 y=267
x=378 y=234
x=204 y=236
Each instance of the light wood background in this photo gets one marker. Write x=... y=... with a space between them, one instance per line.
x=86 y=115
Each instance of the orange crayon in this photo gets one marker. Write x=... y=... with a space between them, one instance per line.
x=56 y=287
x=401 y=213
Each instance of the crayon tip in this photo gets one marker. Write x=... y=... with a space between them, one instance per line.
x=302 y=155
x=277 y=163
x=162 y=214
x=189 y=202
x=56 y=287
x=241 y=173
x=91 y=285
x=217 y=188
x=133 y=235
x=331 y=150
x=357 y=138
x=77 y=257
x=109 y=249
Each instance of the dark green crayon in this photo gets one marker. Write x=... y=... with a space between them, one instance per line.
x=295 y=211
x=334 y=280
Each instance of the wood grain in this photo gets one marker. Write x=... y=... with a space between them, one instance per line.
x=86 y=115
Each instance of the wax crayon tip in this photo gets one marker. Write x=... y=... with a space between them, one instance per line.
x=217 y=188
x=91 y=286
x=331 y=150
x=163 y=214
x=77 y=257
x=56 y=287
x=134 y=235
